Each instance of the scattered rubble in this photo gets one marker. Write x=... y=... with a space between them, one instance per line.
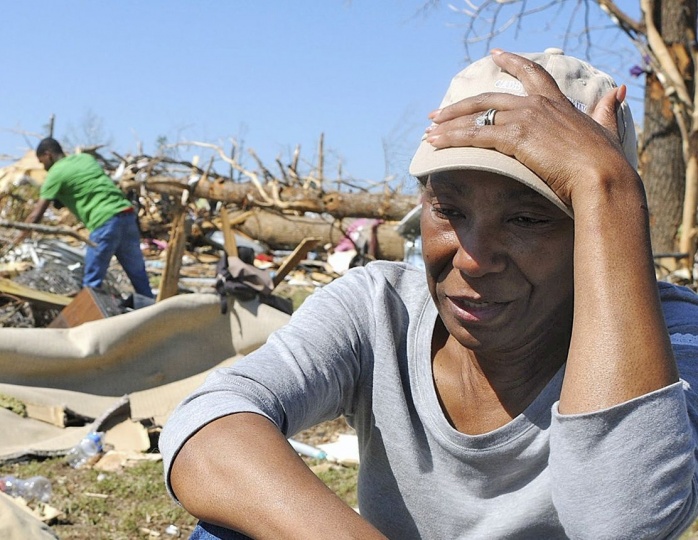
x=190 y=218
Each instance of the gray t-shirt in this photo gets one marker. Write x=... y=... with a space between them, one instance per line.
x=361 y=347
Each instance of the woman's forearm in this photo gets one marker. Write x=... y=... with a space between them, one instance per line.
x=620 y=347
x=240 y=472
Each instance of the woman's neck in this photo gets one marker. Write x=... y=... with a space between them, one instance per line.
x=481 y=391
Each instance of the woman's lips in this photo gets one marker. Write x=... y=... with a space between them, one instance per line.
x=476 y=310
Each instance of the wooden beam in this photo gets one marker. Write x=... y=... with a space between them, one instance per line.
x=32 y=295
x=294 y=258
x=169 y=283
x=230 y=244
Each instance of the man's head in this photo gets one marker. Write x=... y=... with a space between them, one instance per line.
x=581 y=83
x=48 y=152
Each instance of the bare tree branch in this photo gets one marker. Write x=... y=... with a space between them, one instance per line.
x=45 y=229
x=666 y=69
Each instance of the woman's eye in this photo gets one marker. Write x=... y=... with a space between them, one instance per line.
x=446 y=213
x=529 y=221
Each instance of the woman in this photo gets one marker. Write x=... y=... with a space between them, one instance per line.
x=528 y=388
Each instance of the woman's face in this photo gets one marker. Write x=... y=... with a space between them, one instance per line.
x=499 y=262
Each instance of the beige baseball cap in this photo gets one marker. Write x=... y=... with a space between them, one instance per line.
x=583 y=85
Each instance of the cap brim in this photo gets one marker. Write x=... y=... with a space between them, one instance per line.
x=429 y=160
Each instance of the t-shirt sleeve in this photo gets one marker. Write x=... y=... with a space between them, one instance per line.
x=630 y=471
x=306 y=373
x=51 y=186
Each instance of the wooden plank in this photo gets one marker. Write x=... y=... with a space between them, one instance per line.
x=294 y=258
x=32 y=295
x=169 y=283
x=230 y=244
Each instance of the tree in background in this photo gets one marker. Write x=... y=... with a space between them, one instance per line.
x=89 y=133
x=669 y=153
x=664 y=37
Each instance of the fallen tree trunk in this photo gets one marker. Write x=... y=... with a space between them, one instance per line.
x=286 y=232
x=387 y=206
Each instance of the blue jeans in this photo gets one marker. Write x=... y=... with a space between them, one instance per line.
x=206 y=531
x=119 y=236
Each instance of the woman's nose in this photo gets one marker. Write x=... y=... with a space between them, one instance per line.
x=479 y=253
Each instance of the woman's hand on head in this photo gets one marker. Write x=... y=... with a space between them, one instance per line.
x=542 y=130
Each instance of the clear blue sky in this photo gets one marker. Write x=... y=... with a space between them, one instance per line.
x=273 y=74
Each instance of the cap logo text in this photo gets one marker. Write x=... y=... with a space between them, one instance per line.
x=513 y=86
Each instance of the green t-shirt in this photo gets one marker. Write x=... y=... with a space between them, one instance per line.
x=79 y=183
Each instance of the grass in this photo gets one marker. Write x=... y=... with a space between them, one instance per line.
x=127 y=504
x=132 y=503
x=340 y=479
x=691 y=533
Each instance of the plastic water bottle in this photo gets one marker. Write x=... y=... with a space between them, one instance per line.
x=307 y=450
x=85 y=450
x=36 y=488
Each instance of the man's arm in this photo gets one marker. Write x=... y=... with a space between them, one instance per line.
x=34 y=217
x=273 y=495
x=38 y=211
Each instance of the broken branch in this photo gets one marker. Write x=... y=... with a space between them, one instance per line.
x=45 y=229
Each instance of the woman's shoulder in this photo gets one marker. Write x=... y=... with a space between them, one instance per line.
x=395 y=270
x=399 y=276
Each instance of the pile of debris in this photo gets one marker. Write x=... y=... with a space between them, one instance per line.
x=191 y=218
